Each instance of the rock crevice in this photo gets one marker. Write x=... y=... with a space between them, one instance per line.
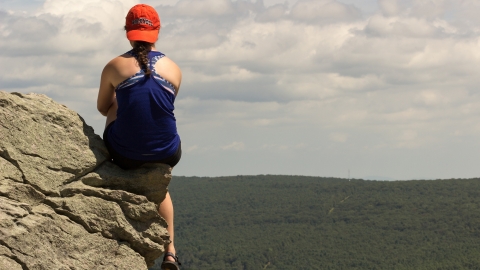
x=63 y=205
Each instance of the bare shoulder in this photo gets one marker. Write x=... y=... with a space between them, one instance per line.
x=121 y=68
x=114 y=65
x=169 y=70
x=169 y=63
x=120 y=62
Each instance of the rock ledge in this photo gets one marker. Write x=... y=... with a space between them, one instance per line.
x=62 y=204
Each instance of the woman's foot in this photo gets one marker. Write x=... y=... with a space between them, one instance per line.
x=170 y=262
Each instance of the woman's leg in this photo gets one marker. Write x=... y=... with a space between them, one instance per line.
x=166 y=211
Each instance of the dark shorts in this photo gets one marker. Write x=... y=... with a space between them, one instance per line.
x=130 y=164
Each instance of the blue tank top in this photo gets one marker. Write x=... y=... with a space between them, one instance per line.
x=145 y=128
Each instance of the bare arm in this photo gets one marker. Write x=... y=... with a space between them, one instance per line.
x=106 y=92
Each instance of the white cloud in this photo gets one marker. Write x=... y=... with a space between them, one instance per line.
x=390 y=7
x=273 y=13
x=324 y=11
x=339 y=137
x=236 y=146
x=283 y=147
x=398 y=26
x=283 y=79
x=435 y=98
x=203 y=8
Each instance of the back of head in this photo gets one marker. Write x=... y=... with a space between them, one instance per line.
x=142 y=24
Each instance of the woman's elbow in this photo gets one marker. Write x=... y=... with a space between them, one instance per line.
x=102 y=110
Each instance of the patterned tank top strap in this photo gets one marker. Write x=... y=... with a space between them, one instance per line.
x=154 y=59
x=131 y=53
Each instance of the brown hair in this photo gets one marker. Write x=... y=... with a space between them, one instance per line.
x=140 y=51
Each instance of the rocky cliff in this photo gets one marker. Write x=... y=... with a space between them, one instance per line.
x=63 y=205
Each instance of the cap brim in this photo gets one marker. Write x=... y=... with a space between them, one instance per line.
x=143 y=35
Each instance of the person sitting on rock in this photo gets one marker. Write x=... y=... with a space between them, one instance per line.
x=137 y=92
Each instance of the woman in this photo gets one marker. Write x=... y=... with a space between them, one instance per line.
x=137 y=92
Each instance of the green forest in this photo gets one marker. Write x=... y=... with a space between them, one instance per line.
x=299 y=222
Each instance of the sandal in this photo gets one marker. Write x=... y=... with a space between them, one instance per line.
x=169 y=265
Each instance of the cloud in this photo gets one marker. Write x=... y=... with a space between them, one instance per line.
x=390 y=7
x=62 y=45
x=324 y=11
x=23 y=35
x=283 y=147
x=403 y=78
x=204 y=8
x=408 y=27
x=273 y=13
x=339 y=137
x=236 y=146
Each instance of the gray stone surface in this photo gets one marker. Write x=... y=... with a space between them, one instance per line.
x=63 y=205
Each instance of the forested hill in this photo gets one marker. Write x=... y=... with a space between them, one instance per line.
x=296 y=222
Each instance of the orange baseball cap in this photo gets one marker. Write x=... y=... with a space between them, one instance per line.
x=142 y=23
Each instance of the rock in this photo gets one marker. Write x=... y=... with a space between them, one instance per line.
x=6 y=262
x=151 y=180
x=63 y=204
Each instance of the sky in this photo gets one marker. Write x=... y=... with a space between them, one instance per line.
x=384 y=90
